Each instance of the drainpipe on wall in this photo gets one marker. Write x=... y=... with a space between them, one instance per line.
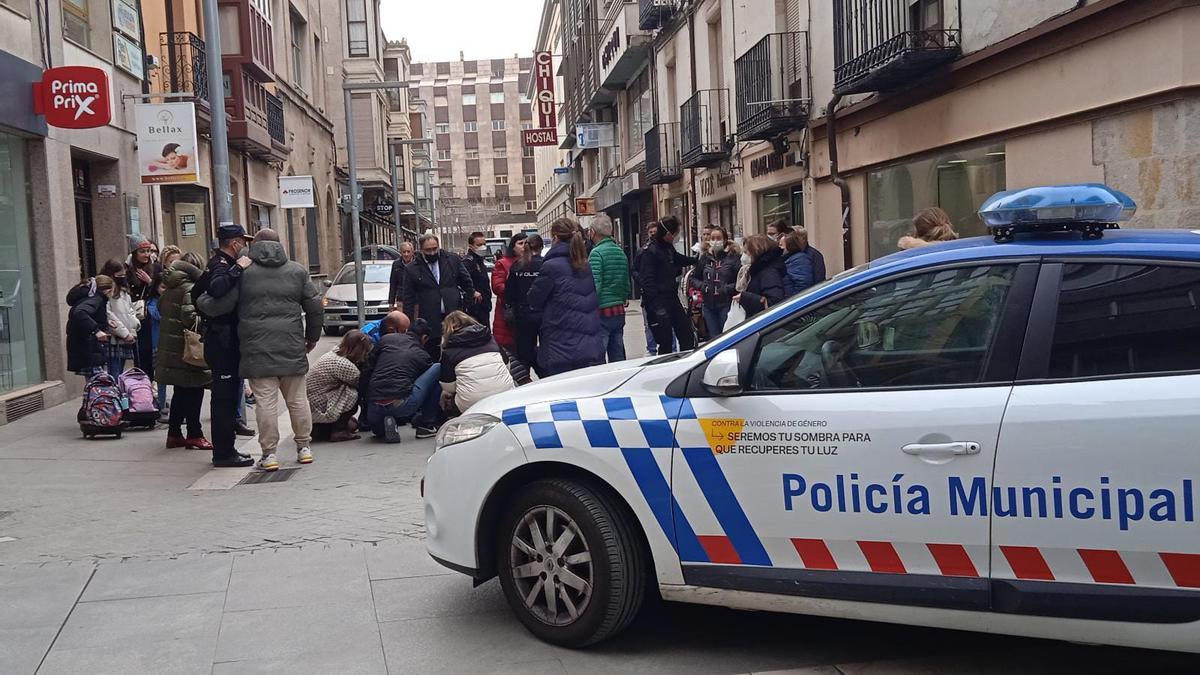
x=838 y=180
x=692 y=172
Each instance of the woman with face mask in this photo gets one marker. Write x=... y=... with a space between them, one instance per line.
x=760 y=281
x=123 y=324
x=716 y=279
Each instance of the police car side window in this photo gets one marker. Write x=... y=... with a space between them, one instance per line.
x=1126 y=320
x=934 y=328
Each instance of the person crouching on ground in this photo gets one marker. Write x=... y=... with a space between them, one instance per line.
x=472 y=366
x=400 y=383
x=333 y=388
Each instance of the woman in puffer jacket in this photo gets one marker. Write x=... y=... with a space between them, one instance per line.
x=760 y=281
x=179 y=314
x=472 y=366
x=565 y=294
x=717 y=278
x=123 y=324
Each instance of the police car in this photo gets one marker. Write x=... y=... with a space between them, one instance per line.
x=993 y=434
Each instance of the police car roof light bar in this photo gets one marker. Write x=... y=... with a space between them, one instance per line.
x=1087 y=208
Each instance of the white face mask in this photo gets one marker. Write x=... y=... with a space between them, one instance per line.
x=717 y=245
x=481 y=251
x=746 y=259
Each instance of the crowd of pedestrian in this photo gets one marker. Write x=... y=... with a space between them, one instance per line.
x=461 y=327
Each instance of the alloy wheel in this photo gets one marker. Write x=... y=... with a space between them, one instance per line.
x=551 y=566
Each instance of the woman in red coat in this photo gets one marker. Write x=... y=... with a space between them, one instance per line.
x=500 y=330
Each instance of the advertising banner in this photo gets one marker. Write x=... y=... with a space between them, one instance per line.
x=73 y=97
x=537 y=137
x=296 y=192
x=166 y=142
x=543 y=71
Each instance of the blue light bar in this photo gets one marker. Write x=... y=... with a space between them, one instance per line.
x=1089 y=208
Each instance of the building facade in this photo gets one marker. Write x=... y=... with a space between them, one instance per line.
x=485 y=179
x=552 y=164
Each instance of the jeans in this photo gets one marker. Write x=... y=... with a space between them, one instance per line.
x=116 y=367
x=714 y=318
x=162 y=396
x=422 y=402
x=185 y=409
x=613 y=330
x=266 y=410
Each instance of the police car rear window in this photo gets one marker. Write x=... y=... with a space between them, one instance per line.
x=1126 y=320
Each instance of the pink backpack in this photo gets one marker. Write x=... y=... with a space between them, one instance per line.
x=139 y=391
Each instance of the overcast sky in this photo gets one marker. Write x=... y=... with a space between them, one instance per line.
x=437 y=30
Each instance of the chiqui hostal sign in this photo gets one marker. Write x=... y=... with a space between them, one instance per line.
x=545 y=113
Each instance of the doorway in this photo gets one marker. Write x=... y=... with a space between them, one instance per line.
x=81 y=180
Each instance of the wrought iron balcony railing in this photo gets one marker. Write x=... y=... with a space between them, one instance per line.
x=704 y=129
x=662 y=153
x=653 y=13
x=183 y=67
x=772 y=85
x=882 y=44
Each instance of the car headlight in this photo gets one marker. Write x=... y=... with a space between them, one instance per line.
x=332 y=303
x=463 y=429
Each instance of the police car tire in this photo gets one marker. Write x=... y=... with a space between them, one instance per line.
x=619 y=569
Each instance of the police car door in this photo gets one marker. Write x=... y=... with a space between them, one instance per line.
x=1097 y=479
x=832 y=471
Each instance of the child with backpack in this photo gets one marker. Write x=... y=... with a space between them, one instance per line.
x=87 y=339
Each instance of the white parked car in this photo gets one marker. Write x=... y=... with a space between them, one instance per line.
x=341 y=295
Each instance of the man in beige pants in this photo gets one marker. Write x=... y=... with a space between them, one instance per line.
x=273 y=295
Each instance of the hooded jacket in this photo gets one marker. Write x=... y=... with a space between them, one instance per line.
x=270 y=298
x=765 y=286
x=88 y=315
x=472 y=367
x=718 y=275
x=800 y=273
x=566 y=297
x=393 y=368
x=122 y=319
x=178 y=313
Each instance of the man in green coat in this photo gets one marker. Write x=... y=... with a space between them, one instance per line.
x=610 y=270
x=273 y=296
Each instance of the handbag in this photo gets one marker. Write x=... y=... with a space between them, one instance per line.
x=193 y=346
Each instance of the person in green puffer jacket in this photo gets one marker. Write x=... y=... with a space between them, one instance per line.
x=179 y=314
x=610 y=270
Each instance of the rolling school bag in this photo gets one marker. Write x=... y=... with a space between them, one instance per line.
x=142 y=410
x=101 y=412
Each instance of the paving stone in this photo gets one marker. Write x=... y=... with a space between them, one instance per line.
x=403 y=558
x=139 y=579
x=439 y=596
x=473 y=643
x=139 y=621
x=34 y=603
x=331 y=632
x=296 y=578
x=182 y=656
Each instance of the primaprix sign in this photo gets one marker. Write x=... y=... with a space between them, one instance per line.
x=73 y=97
x=547 y=113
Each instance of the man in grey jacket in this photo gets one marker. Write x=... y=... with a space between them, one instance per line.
x=273 y=294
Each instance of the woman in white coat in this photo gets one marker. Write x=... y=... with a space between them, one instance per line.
x=472 y=366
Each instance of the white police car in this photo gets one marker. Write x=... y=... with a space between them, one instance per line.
x=1000 y=437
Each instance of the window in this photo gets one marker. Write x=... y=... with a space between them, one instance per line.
x=641 y=112
x=470 y=126
x=781 y=204
x=440 y=101
x=526 y=125
x=931 y=329
x=76 y=22
x=525 y=97
x=505 y=207
x=497 y=125
x=530 y=179
x=958 y=182
x=444 y=155
x=502 y=179
x=527 y=151
x=468 y=99
x=358 y=37
x=473 y=153
x=500 y=152
x=497 y=97
x=298 y=30
x=442 y=127
x=1126 y=320
x=531 y=205
x=498 y=73
x=472 y=181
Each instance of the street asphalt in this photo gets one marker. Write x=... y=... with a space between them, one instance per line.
x=125 y=557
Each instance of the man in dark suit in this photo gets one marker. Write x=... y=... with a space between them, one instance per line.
x=435 y=284
x=480 y=308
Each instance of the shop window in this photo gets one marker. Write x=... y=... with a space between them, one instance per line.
x=785 y=204
x=20 y=348
x=958 y=182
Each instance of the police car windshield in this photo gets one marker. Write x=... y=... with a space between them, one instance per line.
x=376 y=274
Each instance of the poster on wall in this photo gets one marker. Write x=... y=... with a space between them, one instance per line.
x=296 y=192
x=166 y=142
x=125 y=19
x=187 y=225
x=127 y=55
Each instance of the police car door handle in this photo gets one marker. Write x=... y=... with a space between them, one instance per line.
x=942 y=449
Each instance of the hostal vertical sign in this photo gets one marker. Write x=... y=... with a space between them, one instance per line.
x=546 y=114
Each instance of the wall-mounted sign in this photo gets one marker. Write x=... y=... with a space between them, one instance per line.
x=296 y=192
x=539 y=137
x=563 y=175
x=384 y=208
x=585 y=206
x=187 y=225
x=73 y=97
x=761 y=166
x=543 y=72
x=166 y=143
x=598 y=135
x=127 y=55
x=106 y=190
x=125 y=19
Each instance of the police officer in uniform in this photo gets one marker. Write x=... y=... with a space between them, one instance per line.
x=221 y=341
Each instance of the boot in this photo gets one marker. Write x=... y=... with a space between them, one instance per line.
x=241 y=429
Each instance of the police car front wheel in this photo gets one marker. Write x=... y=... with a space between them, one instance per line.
x=569 y=563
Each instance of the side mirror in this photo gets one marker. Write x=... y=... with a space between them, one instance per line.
x=723 y=376
x=326 y=283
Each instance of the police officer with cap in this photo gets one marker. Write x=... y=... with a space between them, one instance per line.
x=221 y=341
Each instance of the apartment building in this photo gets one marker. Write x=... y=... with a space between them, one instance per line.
x=486 y=180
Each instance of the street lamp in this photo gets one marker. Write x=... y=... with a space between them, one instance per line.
x=397 y=162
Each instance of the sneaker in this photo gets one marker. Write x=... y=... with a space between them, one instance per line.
x=304 y=456
x=390 y=433
x=268 y=463
x=424 y=431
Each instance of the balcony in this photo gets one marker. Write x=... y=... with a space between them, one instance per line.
x=183 y=68
x=879 y=45
x=662 y=154
x=703 y=129
x=624 y=49
x=252 y=45
x=772 y=86
x=255 y=117
x=654 y=13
